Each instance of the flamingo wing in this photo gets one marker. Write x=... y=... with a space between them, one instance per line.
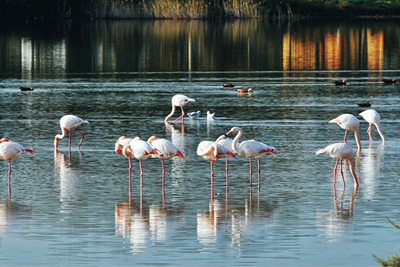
x=141 y=149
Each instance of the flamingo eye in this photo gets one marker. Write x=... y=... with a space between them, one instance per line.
x=186 y=100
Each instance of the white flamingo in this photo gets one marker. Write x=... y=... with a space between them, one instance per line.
x=340 y=151
x=373 y=117
x=69 y=122
x=119 y=145
x=251 y=149
x=349 y=122
x=227 y=143
x=179 y=101
x=10 y=150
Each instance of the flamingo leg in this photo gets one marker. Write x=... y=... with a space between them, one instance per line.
x=9 y=178
x=334 y=171
x=212 y=180
x=69 y=141
x=141 y=179
x=259 y=174
x=341 y=172
x=345 y=136
x=82 y=136
x=130 y=180
x=370 y=132
x=251 y=173
x=227 y=177
x=163 y=182
x=183 y=114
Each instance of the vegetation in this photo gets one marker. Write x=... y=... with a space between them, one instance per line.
x=194 y=9
x=392 y=261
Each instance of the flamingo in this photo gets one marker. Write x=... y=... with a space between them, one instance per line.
x=251 y=149
x=373 y=117
x=164 y=150
x=340 y=151
x=69 y=122
x=179 y=101
x=10 y=150
x=212 y=151
x=227 y=143
x=119 y=145
x=140 y=150
x=349 y=122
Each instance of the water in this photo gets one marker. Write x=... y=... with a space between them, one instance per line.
x=73 y=208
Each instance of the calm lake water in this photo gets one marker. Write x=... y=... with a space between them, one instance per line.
x=73 y=208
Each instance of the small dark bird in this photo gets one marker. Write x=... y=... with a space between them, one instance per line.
x=228 y=85
x=23 y=89
x=342 y=82
x=389 y=81
x=364 y=104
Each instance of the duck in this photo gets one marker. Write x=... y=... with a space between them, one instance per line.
x=228 y=85
x=342 y=82
x=242 y=91
x=210 y=116
x=26 y=89
x=389 y=81
x=364 y=104
x=194 y=115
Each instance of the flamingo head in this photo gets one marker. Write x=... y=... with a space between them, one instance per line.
x=234 y=129
x=335 y=120
x=4 y=140
x=273 y=151
x=321 y=151
x=56 y=142
x=84 y=121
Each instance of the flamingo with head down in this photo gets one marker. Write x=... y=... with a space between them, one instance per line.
x=373 y=117
x=178 y=101
x=349 y=123
x=251 y=149
x=10 y=150
x=69 y=122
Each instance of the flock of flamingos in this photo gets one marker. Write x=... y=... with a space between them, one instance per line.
x=223 y=147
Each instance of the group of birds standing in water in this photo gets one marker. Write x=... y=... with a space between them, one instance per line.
x=222 y=148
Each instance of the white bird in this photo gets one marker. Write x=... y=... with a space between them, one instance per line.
x=194 y=115
x=227 y=143
x=373 y=117
x=179 y=101
x=349 y=122
x=251 y=149
x=212 y=151
x=10 y=150
x=69 y=122
x=340 y=151
x=210 y=116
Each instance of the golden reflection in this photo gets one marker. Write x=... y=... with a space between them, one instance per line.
x=375 y=50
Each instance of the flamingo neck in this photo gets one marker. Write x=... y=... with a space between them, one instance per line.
x=357 y=136
x=353 y=173
x=59 y=136
x=235 y=142
x=170 y=115
x=380 y=133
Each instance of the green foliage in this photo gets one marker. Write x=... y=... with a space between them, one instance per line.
x=392 y=261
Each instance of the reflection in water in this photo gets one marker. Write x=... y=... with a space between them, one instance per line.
x=371 y=164
x=68 y=178
x=336 y=222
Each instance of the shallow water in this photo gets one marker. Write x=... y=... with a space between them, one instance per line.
x=73 y=208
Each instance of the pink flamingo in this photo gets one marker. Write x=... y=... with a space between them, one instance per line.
x=10 y=150
x=251 y=149
x=349 y=122
x=227 y=143
x=119 y=145
x=212 y=151
x=373 y=117
x=179 y=101
x=69 y=122
x=340 y=151
x=140 y=150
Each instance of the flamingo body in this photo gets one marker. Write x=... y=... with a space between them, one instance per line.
x=212 y=151
x=179 y=101
x=349 y=123
x=340 y=151
x=164 y=148
x=119 y=145
x=69 y=122
x=373 y=117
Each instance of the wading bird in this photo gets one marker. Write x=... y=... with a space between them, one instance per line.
x=10 y=150
x=119 y=145
x=179 y=101
x=69 y=122
x=340 y=151
x=349 y=122
x=373 y=117
x=251 y=149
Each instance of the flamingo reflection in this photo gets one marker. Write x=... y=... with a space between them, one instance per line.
x=370 y=166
